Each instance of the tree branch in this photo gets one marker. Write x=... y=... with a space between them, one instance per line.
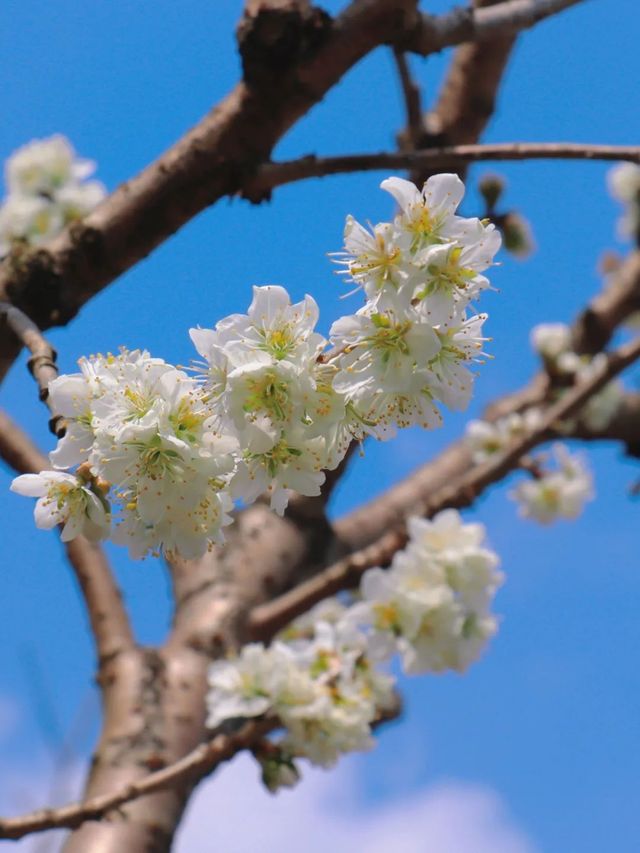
x=269 y=618
x=593 y=329
x=200 y=761
x=411 y=138
x=480 y=24
x=42 y=364
x=109 y=623
x=272 y=175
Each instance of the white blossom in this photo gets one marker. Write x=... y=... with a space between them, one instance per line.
x=383 y=367
x=241 y=687
x=427 y=252
x=329 y=610
x=46 y=190
x=559 y=493
x=32 y=220
x=148 y=429
x=274 y=395
x=68 y=500
x=427 y=215
x=375 y=259
x=321 y=679
x=270 y=409
x=293 y=463
x=624 y=185
x=551 y=340
x=601 y=407
x=452 y=272
x=461 y=344
x=45 y=166
x=486 y=439
x=322 y=690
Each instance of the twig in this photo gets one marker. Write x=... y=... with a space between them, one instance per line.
x=109 y=622
x=200 y=762
x=203 y=759
x=277 y=174
x=269 y=618
x=42 y=364
x=411 y=94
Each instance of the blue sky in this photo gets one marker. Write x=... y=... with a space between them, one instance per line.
x=549 y=719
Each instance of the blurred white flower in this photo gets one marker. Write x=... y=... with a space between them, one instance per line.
x=624 y=185
x=486 y=439
x=46 y=191
x=559 y=493
x=551 y=340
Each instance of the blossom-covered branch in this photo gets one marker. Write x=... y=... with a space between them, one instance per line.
x=273 y=409
x=269 y=618
x=592 y=329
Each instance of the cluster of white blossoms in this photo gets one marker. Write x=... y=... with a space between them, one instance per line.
x=142 y=436
x=46 y=189
x=552 y=341
x=321 y=680
x=558 y=493
x=562 y=491
x=275 y=404
x=415 y=340
x=487 y=439
x=432 y=605
x=624 y=185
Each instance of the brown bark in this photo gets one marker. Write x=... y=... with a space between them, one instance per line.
x=155 y=710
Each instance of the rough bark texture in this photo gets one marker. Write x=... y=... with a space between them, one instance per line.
x=154 y=710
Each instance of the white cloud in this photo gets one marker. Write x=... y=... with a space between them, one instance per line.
x=233 y=813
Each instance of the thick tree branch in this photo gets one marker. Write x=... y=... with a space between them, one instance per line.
x=269 y=618
x=597 y=323
x=109 y=623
